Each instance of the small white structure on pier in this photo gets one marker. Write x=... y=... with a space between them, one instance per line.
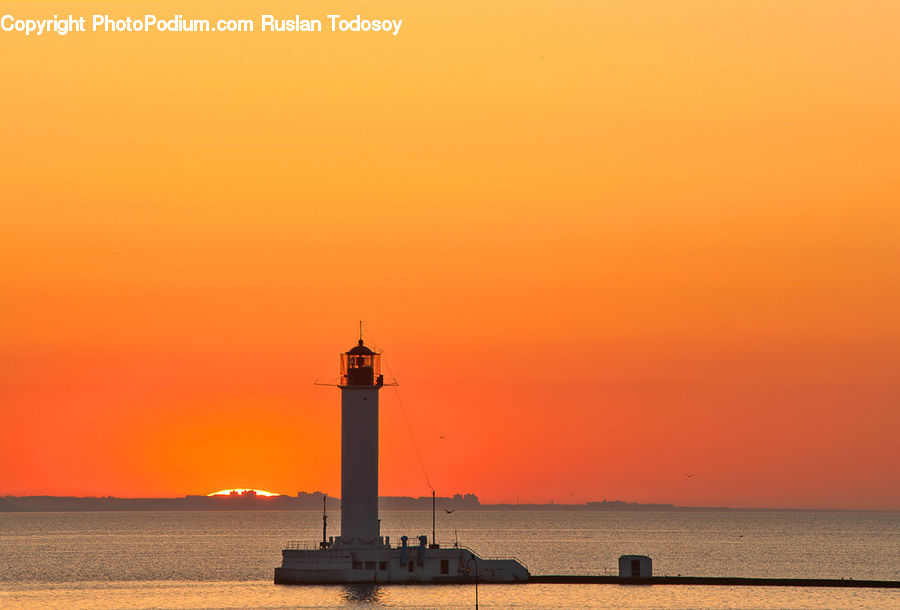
x=635 y=566
x=361 y=554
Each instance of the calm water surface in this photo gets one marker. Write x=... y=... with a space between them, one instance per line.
x=225 y=559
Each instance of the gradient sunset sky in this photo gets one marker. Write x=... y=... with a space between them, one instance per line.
x=646 y=251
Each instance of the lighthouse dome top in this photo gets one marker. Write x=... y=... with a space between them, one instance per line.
x=361 y=366
x=360 y=350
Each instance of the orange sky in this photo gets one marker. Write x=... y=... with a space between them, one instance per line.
x=603 y=246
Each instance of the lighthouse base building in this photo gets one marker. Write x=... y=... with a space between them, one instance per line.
x=401 y=564
x=360 y=554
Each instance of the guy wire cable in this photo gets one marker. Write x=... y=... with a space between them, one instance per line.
x=403 y=412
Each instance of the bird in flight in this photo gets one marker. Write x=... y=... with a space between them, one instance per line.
x=448 y=511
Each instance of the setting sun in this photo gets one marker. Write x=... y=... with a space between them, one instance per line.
x=243 y=492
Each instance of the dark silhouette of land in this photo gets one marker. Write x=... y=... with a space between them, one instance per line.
x=302 y=501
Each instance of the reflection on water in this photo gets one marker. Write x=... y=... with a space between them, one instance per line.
x=361 y=594
x=155 y=594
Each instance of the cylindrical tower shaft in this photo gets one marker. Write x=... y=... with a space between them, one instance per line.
x=359 y=465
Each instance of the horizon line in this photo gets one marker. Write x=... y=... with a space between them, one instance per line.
x=586 y=503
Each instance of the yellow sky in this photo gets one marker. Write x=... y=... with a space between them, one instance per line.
x=548 y=213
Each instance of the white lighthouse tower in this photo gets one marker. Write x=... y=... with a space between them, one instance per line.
x=360 y=553
x=361 y=380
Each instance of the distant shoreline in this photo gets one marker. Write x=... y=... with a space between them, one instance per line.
x=314 y=501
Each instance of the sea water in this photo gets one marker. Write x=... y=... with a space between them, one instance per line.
x=225 y=559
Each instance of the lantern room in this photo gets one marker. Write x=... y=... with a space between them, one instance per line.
x=361 y=366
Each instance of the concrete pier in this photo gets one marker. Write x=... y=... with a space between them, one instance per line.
x=729 y=581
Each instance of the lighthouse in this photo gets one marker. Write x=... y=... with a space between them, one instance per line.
x=360 y=554
x=361 y=380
